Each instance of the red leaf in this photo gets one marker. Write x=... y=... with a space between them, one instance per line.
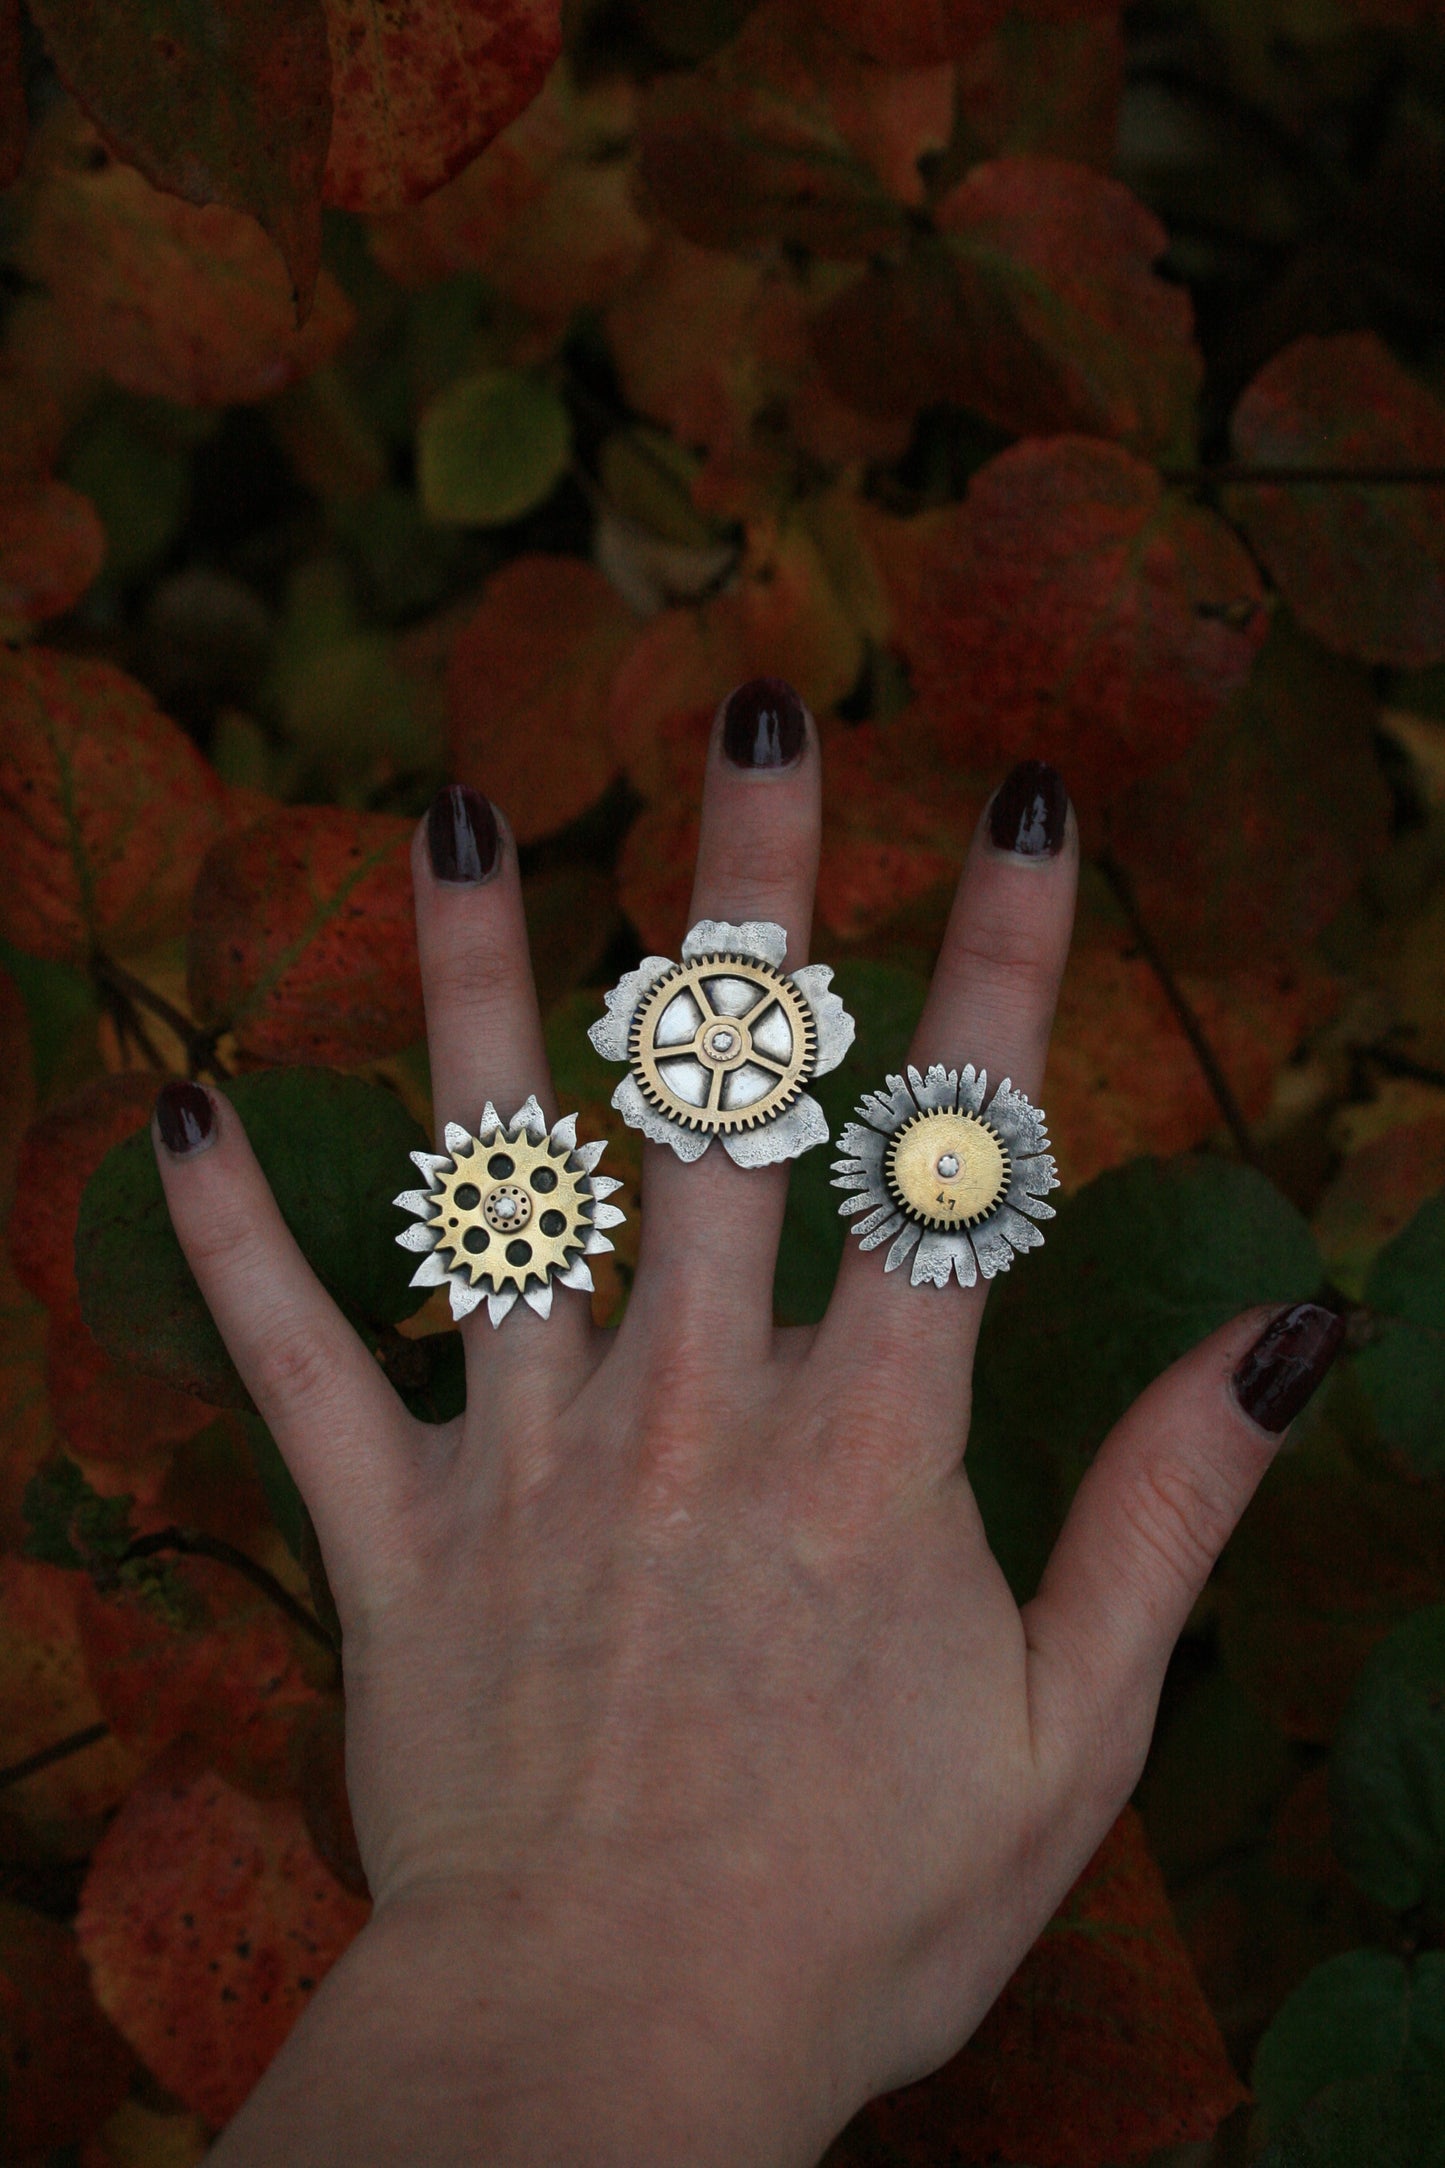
x=420 y=88
x=168 y=300
x=230 y=105
x=527 y=691
x=912 y=33
x=1049 y=87
x=106 y=1413
x=303 y=937
x=1038 y=308
x=46 y=1694
x=207 y=1921
x=14 y=120
x=1363 y=567
x=52 y=545
x=1072 y=611
x=1100 y=2049
x=63 y=2067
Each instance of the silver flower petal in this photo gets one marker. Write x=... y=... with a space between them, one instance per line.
x=902 y=1248
x=456 y=1139
x=871 y=1196
x=937 y=1090
x=430 y=1163
x=836 y=1028
x=1022 y=1233
x=688 y=1144
x=414 y=1200
x=934 y=1258
x=539 y=1298
x=604 y=1184
x=418 y=1237
x=864 y=1144
x=564 y=1133
x=1020 y=1125
x=587 y=1156
x=795 y=1130
x=886 y=1109
x=755 y=937
x=610 y=1033
x=433 y=1271
x=1034 y=1206
x=499 y=1305
x=596 y=1243
x=883 y=1231
x=607 y=1215
x=577 y=1275
x=972 y=1084
x=464 y=1300
x=995 y=1252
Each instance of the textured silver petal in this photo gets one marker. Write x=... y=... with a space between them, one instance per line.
x=576 y=1275
x=635 y=1111
x=1019 y=1124
x=455 y=1138
x=414 y=1200
x=539 y=1298
x=887 y=1210
x=602 y=1185
x=565 y=1133
x=489 y=1124
x=995 y=1252
x=587 y=1155
x=972 y=1084
x=854 y=1177
x=609 y=1034
x=418 y=1237
x=965 y=1263
x=1034 y=1206
x=1022 y=1233
x=1037 y=1175
x=883 y=1232
x=755 y=937
x=935 y=1091
x=903 y=1246
x=789 y=1134
x=430 y=1163
x=596 y=1243
x=464 y=1300
x=529 y=1116
x=499 y=1305
x=872 y=1196
x=933 y=1259
x=886 y=1109
x=607 y=1215
x=865 y=1144
x=836 y=1028
x=433 y=1271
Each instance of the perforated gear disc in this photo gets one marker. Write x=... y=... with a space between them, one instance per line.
x=510 y=1212
x=722 y=1044
x=946 y=1170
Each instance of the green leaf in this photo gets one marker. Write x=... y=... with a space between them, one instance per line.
x=68 y=1523
x=1403 y=1371
x=63 y=1013
x=491 y=446
x=1387 y=1772
x=140 y=488
x=334 y=1150
x=1363 y=2014
x=1366 y=2123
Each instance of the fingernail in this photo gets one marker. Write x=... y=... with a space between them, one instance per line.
x=462 y=835
x=1030 y=810
x=1287 y=1362
x=185 y=1117
x=765 y=724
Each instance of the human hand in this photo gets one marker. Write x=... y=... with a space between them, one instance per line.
x=707 y=1777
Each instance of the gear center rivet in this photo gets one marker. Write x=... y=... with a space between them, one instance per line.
x=506 y=1208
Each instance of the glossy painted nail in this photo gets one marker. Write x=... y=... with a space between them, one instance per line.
x=1030 y=811
x=462 y=835
x=185 y=1118
x=765 y=724
x=1287 y=1362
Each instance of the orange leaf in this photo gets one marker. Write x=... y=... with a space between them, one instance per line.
x=303 y=937
x=420 y=88
x=63 y=2067
x=207 y=1921
x=1100 y=2049
x=52 y=545
x=527 y=691
x=108 y=1414
x=912 y=33
x=46 y=1694
x=106 y=809
x=1050 y=87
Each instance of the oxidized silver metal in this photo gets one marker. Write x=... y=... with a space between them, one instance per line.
x=514 y=1210
x=723 y=1043
x=942 y=1178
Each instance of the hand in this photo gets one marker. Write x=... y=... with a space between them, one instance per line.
x=707 y=1776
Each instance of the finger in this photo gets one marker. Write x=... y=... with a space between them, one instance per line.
x=1145 y=1528
x=991 y=1003
x=484 y=1034
x=340 y=1428
x=710 y=1228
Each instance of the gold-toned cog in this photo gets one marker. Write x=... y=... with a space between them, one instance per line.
x=722 y=1044
x=946 y=1170
x=510 y=1211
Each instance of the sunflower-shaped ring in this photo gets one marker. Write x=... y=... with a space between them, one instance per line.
x=514 y=1210
x=723 y=1044
x=955 y=1184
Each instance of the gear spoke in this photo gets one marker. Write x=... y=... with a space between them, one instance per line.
x=723 y=1044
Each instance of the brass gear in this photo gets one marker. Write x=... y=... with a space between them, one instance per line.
x=947 y=1170
x=740 y=1036
x=510 y=1211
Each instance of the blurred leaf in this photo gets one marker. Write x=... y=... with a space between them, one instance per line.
x=913 y=33
x=404 y=565
x=52 y=546
x=1360 y=2015
x=288 y=1508
x=1217 y=1765
x=1048 y=88
x=14 y=119
x=1387 y=1773
x=1374 y=1196
x=61 y=1008
x=140 y=487
x=1366 y=2123
x=492 y=446
x=1403 y=1369
x=63 y=2067
x=329 y=1145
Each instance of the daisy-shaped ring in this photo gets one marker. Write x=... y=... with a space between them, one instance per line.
x=942 y=1178
x=724 y=1043
x=515 y=1210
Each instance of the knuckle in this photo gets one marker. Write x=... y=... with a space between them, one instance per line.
x=1177 y=1520
x=477 y=975
x=300 y=1369
x=1003 y=949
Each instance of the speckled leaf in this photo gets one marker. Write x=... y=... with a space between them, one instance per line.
x=302 y=938
x=52 y=546
x=63 y=2066
x=1387 y=1771
x=1403 y=1369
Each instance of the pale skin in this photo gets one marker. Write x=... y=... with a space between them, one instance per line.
x=707 y=1776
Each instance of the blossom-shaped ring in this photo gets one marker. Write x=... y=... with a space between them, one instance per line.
x=953 y=1183
x=723 y=1043
x=511 y=1211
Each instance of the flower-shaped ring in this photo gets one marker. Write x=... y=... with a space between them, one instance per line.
x=723 y=1043
x=955 y=1184
x=512 y=1211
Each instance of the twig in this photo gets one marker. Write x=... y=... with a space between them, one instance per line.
x=34 y=1763
x=1395 y=1064
x=1239 y=471
x=192 y=1543
x=200 y=1045
x=1189 y=1023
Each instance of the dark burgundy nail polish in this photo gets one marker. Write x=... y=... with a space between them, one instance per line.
x=1029 y=811
x=185 y=1117
x=765 y=724
x=1287 y=1362
x=462 y=835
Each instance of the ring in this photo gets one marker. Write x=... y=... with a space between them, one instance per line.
x=952 y=1183
x=723 y=1044
x=514 y=1210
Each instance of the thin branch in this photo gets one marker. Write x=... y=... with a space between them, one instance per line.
x=34 y=1763
x=1405 y=1065
x=1189 y=1023
x=1239 y=471
x=200 y=1045
x=193 y=1543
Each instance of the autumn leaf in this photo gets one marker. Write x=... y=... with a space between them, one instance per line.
x=1100 y=2049
x=165 y=298
x=1044 y=87
x=1374 y=1194
x=303 y=940
x=233 y=111
x=106 y=809
x=14 y=119
x=207 y=1921
x=419 y=90
x=1072 y=610
x=912 y=33
x=1363 y=567
x=52 y=546
x=63 y=2066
